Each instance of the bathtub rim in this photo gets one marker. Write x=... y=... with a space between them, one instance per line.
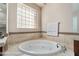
x=48 y=54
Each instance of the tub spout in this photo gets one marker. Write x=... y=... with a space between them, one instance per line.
x=57 y=45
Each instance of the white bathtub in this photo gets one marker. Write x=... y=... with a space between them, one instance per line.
x=40 y=47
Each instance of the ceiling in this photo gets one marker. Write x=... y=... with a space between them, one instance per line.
x=41 y=4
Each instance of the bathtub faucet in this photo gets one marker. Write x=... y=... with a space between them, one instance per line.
x=57 y=45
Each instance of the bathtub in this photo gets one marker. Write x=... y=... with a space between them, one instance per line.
x=40 y=47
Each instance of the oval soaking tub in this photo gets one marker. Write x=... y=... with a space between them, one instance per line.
x=40 y=47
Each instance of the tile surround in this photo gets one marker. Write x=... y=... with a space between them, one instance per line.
x=67 y=40
x=17 y=38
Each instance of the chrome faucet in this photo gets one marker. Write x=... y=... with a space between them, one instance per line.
x=57 y=45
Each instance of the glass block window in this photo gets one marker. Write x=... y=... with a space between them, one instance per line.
x=26 y=16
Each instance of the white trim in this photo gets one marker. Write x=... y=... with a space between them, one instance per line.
x=7 y=19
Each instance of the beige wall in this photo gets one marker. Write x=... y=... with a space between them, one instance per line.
x=12 y=18
x=57 y=12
